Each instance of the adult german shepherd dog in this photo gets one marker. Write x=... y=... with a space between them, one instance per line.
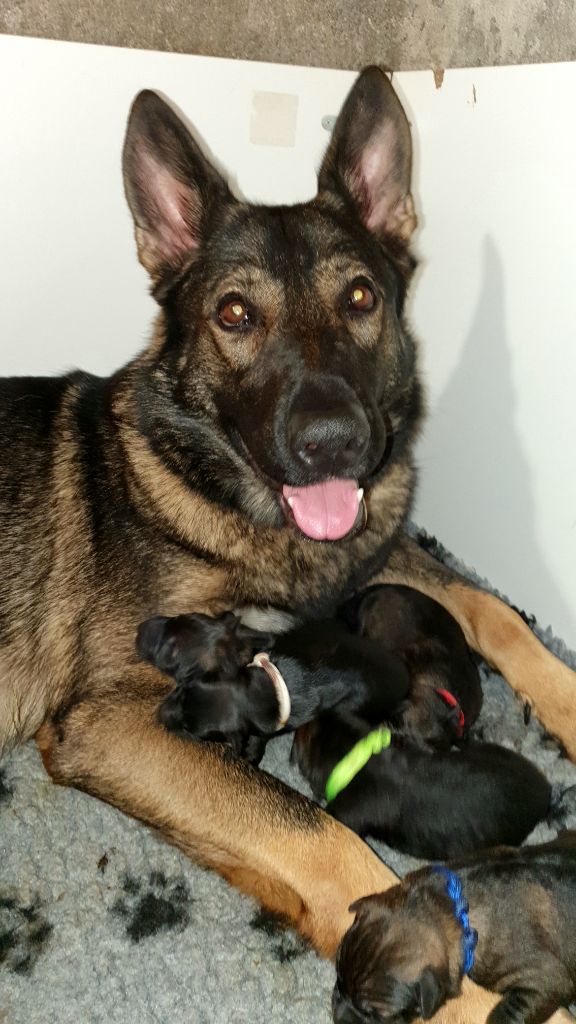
x=258 y=452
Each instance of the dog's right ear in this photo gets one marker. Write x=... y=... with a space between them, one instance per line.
x=170 y=186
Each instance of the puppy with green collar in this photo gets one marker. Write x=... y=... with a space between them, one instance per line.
x=507 y=918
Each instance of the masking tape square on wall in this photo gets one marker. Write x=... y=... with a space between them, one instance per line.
x=273 y=121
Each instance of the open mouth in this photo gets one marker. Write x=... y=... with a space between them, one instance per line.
x=334 y=509
x=327 y=511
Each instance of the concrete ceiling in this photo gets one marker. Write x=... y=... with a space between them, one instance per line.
x=399 y=34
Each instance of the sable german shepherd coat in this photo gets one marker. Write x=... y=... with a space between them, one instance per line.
x=224 y=466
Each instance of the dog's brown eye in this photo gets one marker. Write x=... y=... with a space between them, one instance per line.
x=361 y=298
x=233 y=312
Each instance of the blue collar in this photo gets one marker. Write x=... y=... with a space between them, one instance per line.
x=469 y=935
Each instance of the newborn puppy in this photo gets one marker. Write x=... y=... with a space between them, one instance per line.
x=309 y=669
x=409 y=947
x=445 y=692
x=215 y=695
x=432 y=805
x=216 y=648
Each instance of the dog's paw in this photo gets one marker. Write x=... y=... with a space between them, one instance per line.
x=24 y=932
x=153 y=904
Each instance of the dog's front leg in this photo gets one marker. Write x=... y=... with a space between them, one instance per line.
x=263 y=837
x=498 y=633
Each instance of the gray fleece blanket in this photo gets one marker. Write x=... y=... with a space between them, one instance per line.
x=102 y=922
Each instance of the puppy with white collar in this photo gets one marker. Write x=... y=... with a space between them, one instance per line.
x=240 y=686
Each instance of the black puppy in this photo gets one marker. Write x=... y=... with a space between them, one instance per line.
x=294 y=677
x=445 y=691
x=409 y=947
x=431 y=804
x=214 y=648
x=207 y=657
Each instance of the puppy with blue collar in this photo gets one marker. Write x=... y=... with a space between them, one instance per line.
x=506 y=918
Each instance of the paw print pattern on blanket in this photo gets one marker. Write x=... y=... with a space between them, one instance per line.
x=153 y=904
x=24 y=933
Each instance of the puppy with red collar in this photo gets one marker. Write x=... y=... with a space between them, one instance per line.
x=445 y=695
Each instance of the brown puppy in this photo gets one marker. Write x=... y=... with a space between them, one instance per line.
x=410 y=947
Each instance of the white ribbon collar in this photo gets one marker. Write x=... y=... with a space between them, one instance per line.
x=262 y=660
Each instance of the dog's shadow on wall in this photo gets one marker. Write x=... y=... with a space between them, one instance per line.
x=474 y=472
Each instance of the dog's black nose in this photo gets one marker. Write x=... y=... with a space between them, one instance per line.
x=332 y=440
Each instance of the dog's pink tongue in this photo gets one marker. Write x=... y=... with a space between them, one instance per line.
x=325 y=511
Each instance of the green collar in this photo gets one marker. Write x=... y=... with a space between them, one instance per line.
x=353 y=762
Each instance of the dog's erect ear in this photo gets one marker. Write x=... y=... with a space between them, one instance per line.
x=170 y=186
x=430 y=993
x=370 y=156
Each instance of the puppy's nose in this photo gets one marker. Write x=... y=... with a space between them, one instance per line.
x=331 y=441
x=343 y=1011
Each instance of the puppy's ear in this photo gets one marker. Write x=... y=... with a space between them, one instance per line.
x=228 y=663
x=155 y=645
x=150 y=637
x=171 y=711
x=367 y=906
x=359 y=907
x=449 y=716
x=430 y=993
x=230 y=619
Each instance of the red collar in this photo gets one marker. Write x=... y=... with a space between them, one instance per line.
x=450 y=699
